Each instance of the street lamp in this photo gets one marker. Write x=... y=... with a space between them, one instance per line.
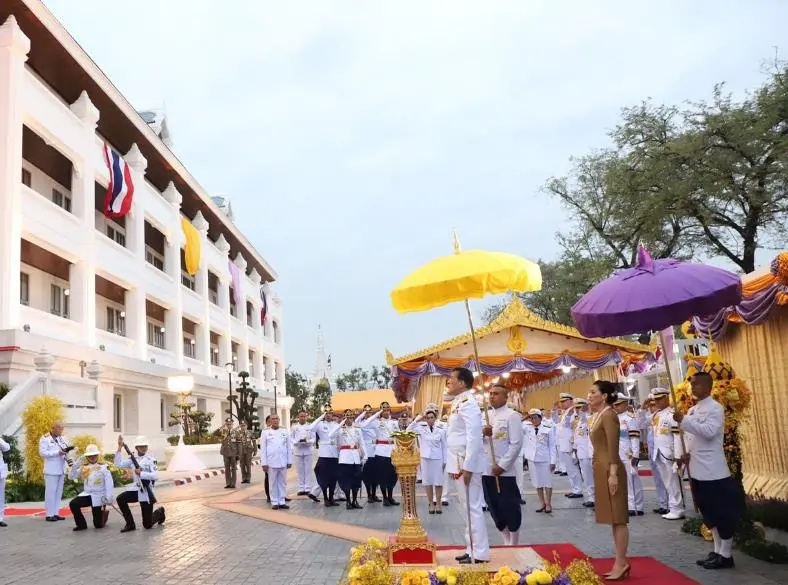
x=229 y=367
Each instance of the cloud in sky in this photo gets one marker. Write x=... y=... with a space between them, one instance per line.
x=354 y=136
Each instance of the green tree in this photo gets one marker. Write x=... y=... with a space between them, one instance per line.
x=380 y=376
x=321 y=396
x=355 y=379
x=244 y=403
x=297 y=386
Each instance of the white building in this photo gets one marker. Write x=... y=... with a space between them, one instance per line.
x=99 y=312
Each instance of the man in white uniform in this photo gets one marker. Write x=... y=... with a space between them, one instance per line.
x=564 y=436
x=629 y=452
x=666 y=434
x=662 y=492
x=466 y=463
x=720 y=498
x=583 y=451
x=53 y=449
x=303 y=440
x=499 y=482
x=276 y=457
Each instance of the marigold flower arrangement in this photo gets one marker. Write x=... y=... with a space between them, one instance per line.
x=368 y=566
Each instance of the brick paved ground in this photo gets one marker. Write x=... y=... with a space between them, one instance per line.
x=204 y=546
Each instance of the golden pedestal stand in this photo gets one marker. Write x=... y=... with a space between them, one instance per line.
x=410 y=546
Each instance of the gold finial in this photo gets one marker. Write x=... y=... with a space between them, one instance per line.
x=457 y=248
x=389 y=358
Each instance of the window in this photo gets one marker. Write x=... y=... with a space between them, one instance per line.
x=27 y=178
x=154 y=258
x=116 y=321
x=249 y=314
x=275 y=327
x=251 y=364
x=213 y=296
x=24 y=289
x=58 y=301
x=214 y=355
x=116 y=233
x=233 y=308
x=188 y=281
x=117 y=413
x=61 y=200
x=156 y=335
x=189 y=348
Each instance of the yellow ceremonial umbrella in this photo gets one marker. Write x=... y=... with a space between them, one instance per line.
x=462 y=276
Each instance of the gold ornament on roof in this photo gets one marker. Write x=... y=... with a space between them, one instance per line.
x=516 y=343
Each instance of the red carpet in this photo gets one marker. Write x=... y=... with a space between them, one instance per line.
x=645 y=473
x=64 y=512
x=645 y=570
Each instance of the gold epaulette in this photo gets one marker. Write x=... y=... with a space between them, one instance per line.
x=634 y=434
x=675 y=430
x=466 y=399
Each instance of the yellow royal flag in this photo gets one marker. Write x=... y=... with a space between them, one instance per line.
x=191 y=250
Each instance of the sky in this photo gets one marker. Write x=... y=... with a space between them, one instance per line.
x=352 y=137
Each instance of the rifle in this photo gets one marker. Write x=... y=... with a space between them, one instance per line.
x=145 y=483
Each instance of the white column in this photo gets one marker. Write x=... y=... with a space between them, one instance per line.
x=83 y=273
x=172 y=264
x=203 y=332
x=14 y=47
x=135 y=221
x=225 y=344
x=136 y=321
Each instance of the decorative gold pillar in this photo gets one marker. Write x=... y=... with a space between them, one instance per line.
x=406 y=459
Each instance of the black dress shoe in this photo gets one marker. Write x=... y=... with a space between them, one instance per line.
x=632 y=513
x=288 y=500
x=275 y=507
x=80 y=528
x=462 y=557
x=574 y=496
x=467 y=561
x=710 y=557
x=588 y=504
x=50 y=519
x=522 y=502
x=313 y=498
x=393 y=502
x=162 y=516
x=641 y=513
x=3 y=524
x=719 y=562
x=386 y=502
x=357 y=506
x=284 y=507
x=128 y=528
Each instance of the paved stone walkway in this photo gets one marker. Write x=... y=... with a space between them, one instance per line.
x=203 y=543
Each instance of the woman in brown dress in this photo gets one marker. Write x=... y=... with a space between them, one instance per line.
x=611 y=504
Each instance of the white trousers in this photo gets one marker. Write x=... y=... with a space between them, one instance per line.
x=473 y=493
x=303 y=465
x=662 y=492
x=277 y=483
x=560 y=467
x=588 y=479
x=2 y=499
x=448 y=487
x=573 y=472
x=634 y=486
x=53 y=493
x=672 y=484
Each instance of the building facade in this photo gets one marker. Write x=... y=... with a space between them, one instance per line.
x=102 y=312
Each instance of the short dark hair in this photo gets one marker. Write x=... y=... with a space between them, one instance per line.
x=465 y=376
x=268 y=418
x=385 y=404
x=608 y=390
x=367 y=406
x=501 y=386
x=704 y=376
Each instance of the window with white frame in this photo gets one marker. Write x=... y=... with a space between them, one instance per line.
x=27 y=178
x=24 y=288
x=188 y=281
x=116 y=233
x=233 y=308
x=116 y=321
x=189 y=347
x=58 y=300
x=61 y=200
x=153 y=258
x=117 y=413
x=214 y=355
x=156 y=335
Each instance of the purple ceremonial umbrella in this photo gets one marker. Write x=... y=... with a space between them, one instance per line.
x=654 y=295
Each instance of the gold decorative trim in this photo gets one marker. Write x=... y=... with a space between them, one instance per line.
x=516 y=314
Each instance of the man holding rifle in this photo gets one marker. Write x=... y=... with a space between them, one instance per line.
x=145 y=474
x=54 y=451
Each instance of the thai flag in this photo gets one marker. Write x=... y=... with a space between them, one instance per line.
x=120 y=191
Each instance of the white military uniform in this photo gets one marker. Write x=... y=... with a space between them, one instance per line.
x=584 y=453
x=507 y=438
x=4 y=448
x=564 y=438
x=303 y=440
x=326 y=447
x=628 y=449
x=541 y=454
x=434 y=453
x=149 y=471
x=666 y=433
x=97 y=481
x=662 y=492
x=49 y=448
x=466 y=453
x=277 y=453
x=368 y=435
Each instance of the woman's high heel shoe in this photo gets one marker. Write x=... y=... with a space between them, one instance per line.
x=623 y=574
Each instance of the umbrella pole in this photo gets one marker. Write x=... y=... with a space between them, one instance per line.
x=675 y=407
x=484 y=400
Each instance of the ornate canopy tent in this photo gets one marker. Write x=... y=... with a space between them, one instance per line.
x=520 y=349
x=753 y=338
